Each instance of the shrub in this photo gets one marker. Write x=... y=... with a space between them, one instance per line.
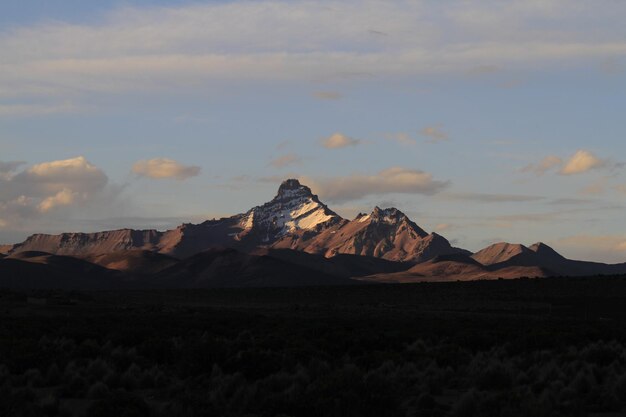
x=34 y=378
x=53 y=375
x=98 y=391
x=119 y=404
x=495 y=377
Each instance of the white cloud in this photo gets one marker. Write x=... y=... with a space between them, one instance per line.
x=582 y=161
x=64 y=197
x=165 y=168
x=389 y=181
x=49 y=178
x=45 y=187
x=155 y=48
x=339 y=140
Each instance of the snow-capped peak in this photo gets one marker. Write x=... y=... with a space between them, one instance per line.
x=294 y=208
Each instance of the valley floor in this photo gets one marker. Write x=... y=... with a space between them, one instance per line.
x=544 y=347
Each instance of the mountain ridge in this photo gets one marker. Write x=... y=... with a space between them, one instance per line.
x=298 y=231
x=294 y=219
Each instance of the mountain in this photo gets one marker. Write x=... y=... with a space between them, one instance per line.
x=294 y=219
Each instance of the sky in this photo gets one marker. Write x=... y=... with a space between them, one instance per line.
x=484 y=121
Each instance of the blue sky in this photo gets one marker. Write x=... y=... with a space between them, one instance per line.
x=486 y=121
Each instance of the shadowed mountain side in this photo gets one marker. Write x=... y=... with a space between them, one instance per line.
x=56 y=272
x=456 y=268
x=65 y=263
x=342 y=265
x=135 y=262
x=231 y=268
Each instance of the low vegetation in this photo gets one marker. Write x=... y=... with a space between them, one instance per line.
x=423 y=350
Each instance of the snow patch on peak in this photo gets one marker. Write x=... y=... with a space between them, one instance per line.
x=248 y=221
x=363 y=218
x=293 y=209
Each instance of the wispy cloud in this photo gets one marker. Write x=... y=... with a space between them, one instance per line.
x=392 y=180
x=580 y=162
x=156 y=48
x=402 y=138
x=285 y=160
x=38 y=109
x=434 y=133
x=621 y=188
x=546 y=164
x=327 y=95
x=606 y=248
x=492 y=198
x=165 y=168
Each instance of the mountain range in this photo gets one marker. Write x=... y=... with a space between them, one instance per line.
x=294 y=239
